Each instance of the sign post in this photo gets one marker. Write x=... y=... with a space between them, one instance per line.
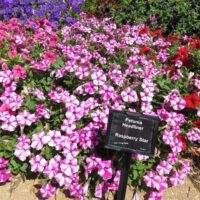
x=130 y=133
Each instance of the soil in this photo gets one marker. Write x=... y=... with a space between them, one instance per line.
x=19 y=190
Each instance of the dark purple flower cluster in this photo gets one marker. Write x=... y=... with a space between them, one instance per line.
x=56 y=11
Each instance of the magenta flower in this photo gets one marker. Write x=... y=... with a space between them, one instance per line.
x=5 y=175
x=185 y=168
x=167 y=137
x=129 y=95
x=69 y=167
x=155 y=196
x=39 y=94
x=19 y=72
x=47 y=191
x=177 y=178
x=98 y=78
x=6 y=77
x=107 y=92
x=9 y=124
x=37 y=142
x=151 y=179
x=194 y=135
x=172 y=158
x=115 y=184
x=140 y=157
x=67 y=127
x=92 y=163
x=82 y=72
x=53 y=167
x=99 y=191
x=164 y=168
x=38 y=163
x=22 y=151
x=70 y=150
x=63 y=179
x=25 y=118
x=51 y=137
x=176 y=145
x=76 y=190
x=105 y=169
x=3 y=163
x=90 y=88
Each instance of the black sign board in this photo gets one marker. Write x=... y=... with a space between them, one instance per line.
x=132 y=132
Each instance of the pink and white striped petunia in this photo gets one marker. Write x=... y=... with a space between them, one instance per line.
x=63 y=179
x=38 y=163
x=98 y=78
x=155 y=196
x=105 y=169
x=47 y=191
x=151 y=179
x=37 y=142
x=172 y=158
x=164 y=168
x=22 y=151
x=69 y=167
x=9 y=124
x=176 y=145
x=177 y=178
x=129 y=95
x=25 y=118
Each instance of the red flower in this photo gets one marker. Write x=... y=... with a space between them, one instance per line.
x=172 y=38
x=183 y=141
x=144 y=30
x=145 y=50
x=182 y=53
x=171 y=70
x=196 y=124
x=116 y=7
x=156 y=33
x=153 y=58
x=192 y=101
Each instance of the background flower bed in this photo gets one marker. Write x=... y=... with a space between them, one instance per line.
x=58 y=12
x=57 y=89
x=176 y=17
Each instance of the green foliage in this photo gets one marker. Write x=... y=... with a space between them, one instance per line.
x=177 y=17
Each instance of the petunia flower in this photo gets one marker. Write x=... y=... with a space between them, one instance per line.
x=47 y=191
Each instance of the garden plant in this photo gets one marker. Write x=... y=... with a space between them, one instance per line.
x=58 y=85
x=177 y=17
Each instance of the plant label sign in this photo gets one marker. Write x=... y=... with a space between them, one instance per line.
x=132 y=132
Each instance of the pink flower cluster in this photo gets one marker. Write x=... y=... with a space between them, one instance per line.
x=58 y=94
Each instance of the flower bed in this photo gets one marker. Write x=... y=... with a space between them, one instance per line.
x=56 y=92
x=58 y=12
